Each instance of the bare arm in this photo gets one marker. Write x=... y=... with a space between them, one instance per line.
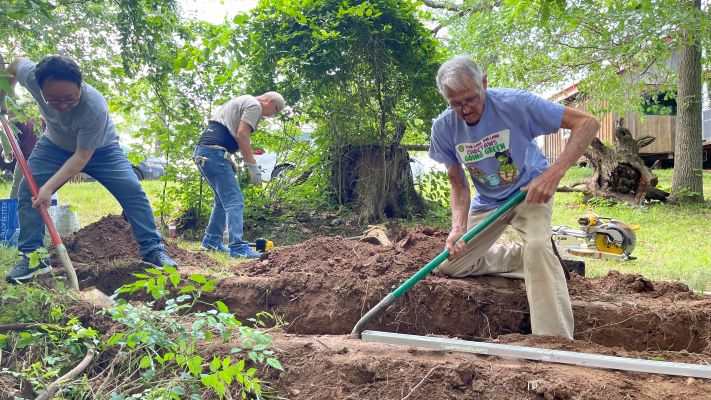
x=71 y=167
x=583 y=128
x=245 y=146
x=460 y=202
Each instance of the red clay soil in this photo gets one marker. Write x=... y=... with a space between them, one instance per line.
x=324 y=285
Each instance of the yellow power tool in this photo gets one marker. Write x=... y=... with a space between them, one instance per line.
x=598 y=237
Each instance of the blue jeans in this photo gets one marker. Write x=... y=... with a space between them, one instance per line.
x=229 y=201
x=109 y=166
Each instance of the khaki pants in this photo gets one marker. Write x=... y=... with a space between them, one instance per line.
x=533 y=261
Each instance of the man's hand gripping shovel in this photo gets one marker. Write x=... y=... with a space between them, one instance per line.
x=92 y=294
x=424 y=271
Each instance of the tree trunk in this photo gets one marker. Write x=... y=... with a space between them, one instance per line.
x=376 y=193
x=619 y=172
x=687 y=182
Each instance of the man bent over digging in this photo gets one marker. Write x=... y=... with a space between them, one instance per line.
x=492 y=133
x=80 y=136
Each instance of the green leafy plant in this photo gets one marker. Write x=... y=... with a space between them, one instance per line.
x=164 y=347
x=434 y=187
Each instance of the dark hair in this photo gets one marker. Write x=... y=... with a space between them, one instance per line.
x=59 y=69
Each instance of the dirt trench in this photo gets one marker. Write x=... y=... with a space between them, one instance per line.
x=324 y=285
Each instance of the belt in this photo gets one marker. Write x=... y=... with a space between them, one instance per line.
x=226 y=154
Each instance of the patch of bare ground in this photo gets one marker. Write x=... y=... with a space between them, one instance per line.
x=325 y=284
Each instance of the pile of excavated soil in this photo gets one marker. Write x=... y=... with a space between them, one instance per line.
x=323 y=286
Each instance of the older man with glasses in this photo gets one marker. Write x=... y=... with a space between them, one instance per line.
x=492 y=133
x=80 y=136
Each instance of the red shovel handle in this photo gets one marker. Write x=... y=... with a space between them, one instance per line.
x=30 y=180
x=58 y=245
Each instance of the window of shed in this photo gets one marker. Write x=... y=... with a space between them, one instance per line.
x=660 y=104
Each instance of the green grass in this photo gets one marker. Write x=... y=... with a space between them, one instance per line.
x=91 y=200
x=672 y=243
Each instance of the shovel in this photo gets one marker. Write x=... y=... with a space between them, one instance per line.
x=92 y=295
x=388 y=300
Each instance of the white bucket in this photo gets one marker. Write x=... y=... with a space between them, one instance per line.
x=65 y=220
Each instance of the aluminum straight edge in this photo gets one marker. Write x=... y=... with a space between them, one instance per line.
x=547 y=355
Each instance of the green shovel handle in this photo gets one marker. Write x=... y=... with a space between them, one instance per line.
x=388 y=300
x=424 y=271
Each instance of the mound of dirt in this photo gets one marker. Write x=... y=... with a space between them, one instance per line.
x=324 y=285
x=106 y=251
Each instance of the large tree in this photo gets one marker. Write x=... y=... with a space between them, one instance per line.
x=617 y=51
x=364 y=73
x=688 y=171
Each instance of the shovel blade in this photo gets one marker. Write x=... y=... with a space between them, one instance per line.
x=96 y=297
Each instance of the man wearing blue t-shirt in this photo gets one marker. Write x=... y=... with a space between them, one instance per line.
x=490 y=134
x=80 y=136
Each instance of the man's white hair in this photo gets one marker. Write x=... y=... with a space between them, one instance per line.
x=276 y=98
x=451 y=73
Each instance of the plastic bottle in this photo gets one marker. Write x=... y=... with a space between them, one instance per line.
x=172 y=230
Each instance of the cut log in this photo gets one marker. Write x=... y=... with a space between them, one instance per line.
x=376 y=235
x=619 y=172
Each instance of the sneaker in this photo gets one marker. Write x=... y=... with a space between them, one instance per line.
x=22 y=270
x=244 y=251
x=159 y=258
x=211 y=246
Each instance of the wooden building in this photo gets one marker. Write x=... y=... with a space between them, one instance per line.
x=661 y=127
x=653 y=122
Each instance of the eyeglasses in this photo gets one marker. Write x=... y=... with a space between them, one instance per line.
x=469 y=102
x=68 y=102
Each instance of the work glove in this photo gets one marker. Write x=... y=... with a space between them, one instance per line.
x=255 y=174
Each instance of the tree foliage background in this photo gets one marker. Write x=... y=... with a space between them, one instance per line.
x=355 y=73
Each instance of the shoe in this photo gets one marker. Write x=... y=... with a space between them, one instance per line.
x=245 y=252
x=212 y=246
x=159 y=258
x=22 y=270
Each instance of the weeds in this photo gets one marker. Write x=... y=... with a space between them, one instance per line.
x=157 y=349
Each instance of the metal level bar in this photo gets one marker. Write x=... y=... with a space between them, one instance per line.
x=547 y=355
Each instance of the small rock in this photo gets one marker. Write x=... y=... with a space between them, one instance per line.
x=294 y=392
x=690 y=381
x=336 y=222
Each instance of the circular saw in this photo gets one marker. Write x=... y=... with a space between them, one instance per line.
x=598 y=237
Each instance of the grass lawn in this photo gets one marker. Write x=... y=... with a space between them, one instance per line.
x=92 y=201
x=672 y=243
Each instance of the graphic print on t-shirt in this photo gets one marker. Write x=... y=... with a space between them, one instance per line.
x=489 y=160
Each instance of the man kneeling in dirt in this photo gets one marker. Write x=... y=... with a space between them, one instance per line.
x=80 y=136
x=492 y=132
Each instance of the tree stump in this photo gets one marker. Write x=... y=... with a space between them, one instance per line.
x=377 y=181
x=619 y=171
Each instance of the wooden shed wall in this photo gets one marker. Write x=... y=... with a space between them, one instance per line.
x=661 y=127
